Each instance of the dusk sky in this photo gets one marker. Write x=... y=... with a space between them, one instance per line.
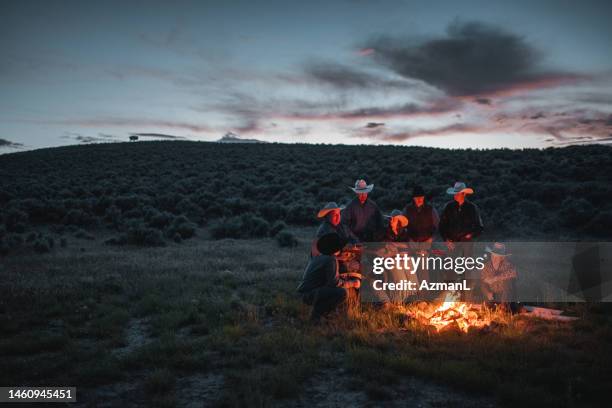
x=435 y=73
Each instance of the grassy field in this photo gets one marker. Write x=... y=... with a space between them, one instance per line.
x=217 y=323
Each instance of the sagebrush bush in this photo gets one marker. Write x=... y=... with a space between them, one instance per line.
x=254 y=226
x=16 y=220
x=273 y=211
x=159 y=220
x=139 y=234
x=181 y=226
x=81 y=233
x=10 y=242
x=79 y=217
x=227 y=228
x=41 y=245
x=286 y=239
x=207 y=182
x=277 y=227
x=244 y=226
x=113 y=216
x=4 y=247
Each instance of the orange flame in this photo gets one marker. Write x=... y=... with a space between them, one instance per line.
x=453 y=312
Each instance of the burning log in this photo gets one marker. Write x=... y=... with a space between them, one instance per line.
x=452 y=314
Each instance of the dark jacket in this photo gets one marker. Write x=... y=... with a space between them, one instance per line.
x=321 y=271
x=422 y=221
x=458 y=221
x=364 y=221
x=346 y=236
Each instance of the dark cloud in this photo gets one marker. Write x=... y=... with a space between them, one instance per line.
x=157 y=135
x=472 y=58
x=8 y=143
x=372 y=125
x=483 y=101
x=90 y=139
x=403 y=110
x=345 y=77
x=340 y=76
x=437 y=107
x=102 y=137
x=393 y=134
x=565 y=127
x=441 y=131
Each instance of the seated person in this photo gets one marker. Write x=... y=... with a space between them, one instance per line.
x=331 y=216
x=498 y=277
x=321 y=284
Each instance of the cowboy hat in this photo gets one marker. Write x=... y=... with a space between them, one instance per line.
x=399 y=215
x=498 y=249
x=329 y=244
x=418 y=191
x=459 y=187
x=331 y=206
x=362 y=187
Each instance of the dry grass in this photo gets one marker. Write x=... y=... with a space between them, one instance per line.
x=226 y=312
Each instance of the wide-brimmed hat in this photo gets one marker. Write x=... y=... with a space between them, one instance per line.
x=331 y=206
x=459 y=187
x=498 y=249
x=329 y=244
x=399 y=215
x=362 y=187
x=418 y=191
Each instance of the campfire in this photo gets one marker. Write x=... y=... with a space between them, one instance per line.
x=451 y=314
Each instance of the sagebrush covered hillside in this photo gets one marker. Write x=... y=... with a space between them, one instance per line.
x=151 y=192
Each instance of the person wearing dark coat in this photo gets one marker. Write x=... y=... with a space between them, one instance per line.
x=362 y=216
x=332 y=216
x=460 y=220
x=423 y=217
x=460 y=224
x=321 y=284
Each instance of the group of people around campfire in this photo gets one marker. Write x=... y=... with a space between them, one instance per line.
x=325 y=284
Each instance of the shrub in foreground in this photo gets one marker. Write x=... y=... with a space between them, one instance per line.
x=139 y=234
x=181 y=226
x=241 y=227
x=277 y=227
x=286 y=239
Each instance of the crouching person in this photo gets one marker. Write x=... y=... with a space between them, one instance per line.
x=499 y=278
x=321 y=285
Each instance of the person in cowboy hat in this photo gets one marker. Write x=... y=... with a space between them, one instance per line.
x=460 y=220
x=331 y=216
x=396 y=227
x=362 y=216
x=321 y=285
x=423 y=217
x=498 y=277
